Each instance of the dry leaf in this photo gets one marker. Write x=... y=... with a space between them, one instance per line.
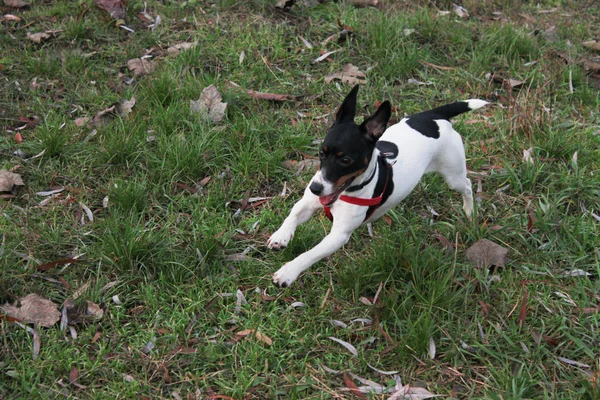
x=431 y=350
x=34 y=309
x=82 y=312
x=81 y=121
x=177 y=48
x=363 y=3
x=126 y=106
x=514 y=83
x=116 y=8
x=41 y=36
x=271 y=96
x=73 y=375
x=209 y=105
x=590 y=44
x=350 y=74
x=8 y=181
x=103 y=117
x=352 y=387
x=140 y=66
x=574 y=363
x=485 y=253
x=37 y=344
x=264 y=338
x=16 y=3
x=310 y=164
x=10 y=17
x=461 y=11
x=324 y=56
x=528 y=155
x=382 y=372
x=347 y=345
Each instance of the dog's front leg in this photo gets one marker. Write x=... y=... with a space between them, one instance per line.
x=301 y=212
x=338 y=237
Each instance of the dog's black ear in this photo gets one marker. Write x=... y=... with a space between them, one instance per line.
x=375 y=125
x=348 y=108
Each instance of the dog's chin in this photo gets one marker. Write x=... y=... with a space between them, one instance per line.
x=328 y=200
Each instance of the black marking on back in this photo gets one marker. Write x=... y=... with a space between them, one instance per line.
x=387 y=149
x=424 y=122
x=425 y=126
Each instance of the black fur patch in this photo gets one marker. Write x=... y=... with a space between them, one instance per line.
x=424 y=125
x=387 y=149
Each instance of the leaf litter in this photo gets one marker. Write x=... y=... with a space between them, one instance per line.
x=209 y=105
x=485 y=253
x=350 y=74
x=34 y=309
x=9 y=181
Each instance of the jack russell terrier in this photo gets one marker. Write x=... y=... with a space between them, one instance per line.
x=365 y=170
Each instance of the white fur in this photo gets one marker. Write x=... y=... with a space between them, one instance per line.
x=417 y=155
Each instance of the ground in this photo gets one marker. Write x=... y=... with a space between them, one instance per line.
x=159 y=213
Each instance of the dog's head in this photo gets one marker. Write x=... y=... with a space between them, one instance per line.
x=347 y=149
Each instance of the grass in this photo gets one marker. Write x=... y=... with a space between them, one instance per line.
x=167 y=246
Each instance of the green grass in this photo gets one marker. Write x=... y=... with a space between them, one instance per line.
x=162 y=243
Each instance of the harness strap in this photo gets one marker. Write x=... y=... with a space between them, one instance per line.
x=372 y=203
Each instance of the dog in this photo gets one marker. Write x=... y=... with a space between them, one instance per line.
x=366 y=169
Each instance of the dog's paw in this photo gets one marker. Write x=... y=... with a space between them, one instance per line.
x=285 y=276
x=280 y=239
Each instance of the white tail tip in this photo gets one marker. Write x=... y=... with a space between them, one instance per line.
x=474 y=104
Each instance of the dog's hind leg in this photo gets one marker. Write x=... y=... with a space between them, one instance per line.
x=452 y=165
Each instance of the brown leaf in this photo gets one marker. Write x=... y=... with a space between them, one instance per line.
x=209 y=105
x=18 y=138
x=447 y=244
x=530 y=219
x=308 y=164
x=34 y=309
x=53 y=264
x=41 y=36
x=350 y=74
x=353 y=388
x=590 y=44
x=73 y=375
x=523 y=309
x=514 y=83
x=10 y=17
x=363 y=3
x=140 y=66
x=442 y=67
x=16 y=3
x=177 y=48
x=126 y=106
x=81 y=312
x=264 y=338
x=97 y=336
x=37 y=343
x=271 y=96
x=104 y=117
x=8 y=181
x=116 y=8
x=387 y=219
x=485 y=253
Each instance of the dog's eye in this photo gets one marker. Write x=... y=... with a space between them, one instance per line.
x=346 y=160
x=321 y=154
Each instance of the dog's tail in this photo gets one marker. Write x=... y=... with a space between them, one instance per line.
x=453 y=109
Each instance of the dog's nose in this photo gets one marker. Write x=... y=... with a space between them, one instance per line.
x=316 y=188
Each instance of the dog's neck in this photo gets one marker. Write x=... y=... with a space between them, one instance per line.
x=368 y=175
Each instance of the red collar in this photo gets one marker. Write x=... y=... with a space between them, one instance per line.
x=372 y=202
